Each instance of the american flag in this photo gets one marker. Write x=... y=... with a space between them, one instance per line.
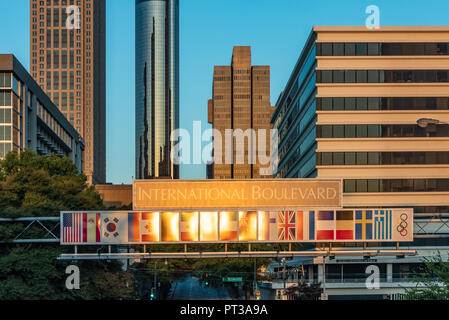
x=287 y=225
x=72 y=227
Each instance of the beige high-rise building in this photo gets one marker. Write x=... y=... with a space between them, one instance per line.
x=241 y=100
x=371 y=107
x=68 y=62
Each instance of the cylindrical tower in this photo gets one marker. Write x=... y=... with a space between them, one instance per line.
x=157 y=86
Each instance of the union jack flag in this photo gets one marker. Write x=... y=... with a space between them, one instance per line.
x=287 y=225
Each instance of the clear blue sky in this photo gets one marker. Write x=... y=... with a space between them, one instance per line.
x=275 y=29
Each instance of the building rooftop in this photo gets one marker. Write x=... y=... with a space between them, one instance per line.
x=381 y=29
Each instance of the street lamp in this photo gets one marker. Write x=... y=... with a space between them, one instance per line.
x=425 y=122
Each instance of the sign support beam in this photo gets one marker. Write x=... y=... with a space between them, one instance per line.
x=248 y=254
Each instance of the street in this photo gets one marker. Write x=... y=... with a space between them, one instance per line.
x=191 y=289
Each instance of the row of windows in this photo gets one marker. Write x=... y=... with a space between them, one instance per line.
x=381 y=131
x=65 y=60
x=396 y=185
x=382 y=49
x=382 y=103
x=382 y=76
x=381 y=158
x=53 y=124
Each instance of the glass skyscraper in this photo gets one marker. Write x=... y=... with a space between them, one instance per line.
x=157 y=87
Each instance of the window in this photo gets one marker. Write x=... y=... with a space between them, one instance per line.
x=350 y=76
x=5 y=98
x=361 y=49
x=349 y=49
x=418 y=103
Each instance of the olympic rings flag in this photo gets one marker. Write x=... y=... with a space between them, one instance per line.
x=284 y=225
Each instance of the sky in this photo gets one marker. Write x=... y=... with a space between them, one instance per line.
x=276 y=30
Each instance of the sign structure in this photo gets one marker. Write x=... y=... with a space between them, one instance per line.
x=254 y=194
x=232 y=279
x=306 y=225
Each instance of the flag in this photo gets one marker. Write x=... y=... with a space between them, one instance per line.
x=345 y=225
x=287 y=225
x=114 y=227
x=149 y=227
x=134 y=227
x=300 y=225
x=228 y=226
x=248 y=225
x=91 y=227
x=267 y=226
x=311 y=229
x=189 y=226
x=402 y=224
x=325 y=225
x=72 y=227
x=169 y=226
x=382 y=224
x=208 y=226
x=363 y=225
x=306 y=225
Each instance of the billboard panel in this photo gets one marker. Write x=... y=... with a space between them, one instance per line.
x=255 y=194
x=307 y=225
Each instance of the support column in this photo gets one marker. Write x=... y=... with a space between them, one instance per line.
x=389 y=272
x=320 y=273
x=310 y=272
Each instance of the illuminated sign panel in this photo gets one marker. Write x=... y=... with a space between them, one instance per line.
x=305 y=225
x=235 y=194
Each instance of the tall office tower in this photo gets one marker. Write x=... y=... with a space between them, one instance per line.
x=68 y=62
x=371 y=107
x=157 y=87
x=241 y=100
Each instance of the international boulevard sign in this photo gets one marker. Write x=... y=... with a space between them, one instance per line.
x=235 y=194
x=230 y=211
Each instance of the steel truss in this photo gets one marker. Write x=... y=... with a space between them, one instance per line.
x=237 y=254
x=431 y=225
x=50 y=233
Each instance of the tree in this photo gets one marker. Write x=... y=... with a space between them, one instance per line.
x=33 y=186
x=432 y=282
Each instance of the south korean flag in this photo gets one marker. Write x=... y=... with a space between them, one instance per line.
x=114 y=228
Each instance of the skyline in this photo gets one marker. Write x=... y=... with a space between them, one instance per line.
x=277 y=45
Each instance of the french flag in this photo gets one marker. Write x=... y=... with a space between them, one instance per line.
x=325 y=225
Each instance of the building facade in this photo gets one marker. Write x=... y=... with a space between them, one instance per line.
x=241 y=100
x=68 y=61
x=30 y=120
x=157 y=87
x=115 y=195
x=372 y=107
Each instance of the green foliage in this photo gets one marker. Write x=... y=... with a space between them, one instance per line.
x=432 y=283
x=33 y=186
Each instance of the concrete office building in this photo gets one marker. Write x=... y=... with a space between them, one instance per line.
x=157 y=87
x=70 y=66
x=28 y=118
x=241 y=100
x=372 y=107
